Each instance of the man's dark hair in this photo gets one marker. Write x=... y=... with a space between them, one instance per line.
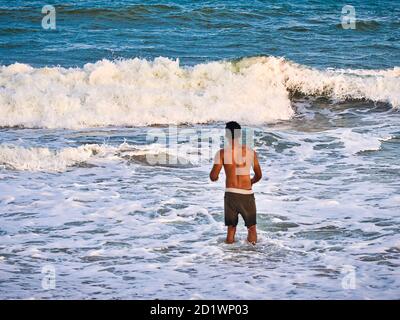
x=234 y=128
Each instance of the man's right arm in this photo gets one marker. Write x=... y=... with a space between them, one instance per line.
x=216 y=169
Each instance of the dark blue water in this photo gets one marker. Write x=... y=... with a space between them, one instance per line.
x=307 y=32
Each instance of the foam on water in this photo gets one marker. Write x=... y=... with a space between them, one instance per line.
x=44 y=159
x=58 y=160
x=356 y=142
x=155 y=154
x=138 y=92
x=127 y=229
x=88 y=203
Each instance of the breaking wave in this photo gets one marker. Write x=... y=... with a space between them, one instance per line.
x=43 y=159
x=138 y=92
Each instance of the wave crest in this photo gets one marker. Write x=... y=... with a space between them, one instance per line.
x=14 y=157
x=138 y=92
x=44 y=159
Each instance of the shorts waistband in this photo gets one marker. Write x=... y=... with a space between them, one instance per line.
x=237 y=190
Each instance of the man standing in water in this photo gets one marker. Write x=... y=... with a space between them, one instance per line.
x=239 y=197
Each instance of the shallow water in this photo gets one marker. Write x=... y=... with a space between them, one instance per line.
x=77 y=193
x=119 y=228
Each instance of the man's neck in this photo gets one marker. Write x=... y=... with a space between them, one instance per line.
x=234 y=143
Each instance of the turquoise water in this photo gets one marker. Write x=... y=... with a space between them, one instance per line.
x=307 y=32
x=81 y=105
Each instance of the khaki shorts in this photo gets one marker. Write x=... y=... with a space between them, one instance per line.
x=243 y=204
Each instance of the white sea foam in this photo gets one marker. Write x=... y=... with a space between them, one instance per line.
x=343 y=84
x=356 y=142
x=140 y=92
x=47 y=160
x=44 y=159
x=158 y=154
x=152 y=232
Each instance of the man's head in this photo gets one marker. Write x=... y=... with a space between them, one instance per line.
x=233 y=130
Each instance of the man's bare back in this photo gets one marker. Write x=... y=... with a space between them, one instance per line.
x=237 y=160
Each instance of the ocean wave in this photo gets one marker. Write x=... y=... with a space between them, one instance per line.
x=298 y=28
x=15 y=31
x=364 y=25
x=43 y=159
x=355 y=142
x=137 y=92
x=120 y=13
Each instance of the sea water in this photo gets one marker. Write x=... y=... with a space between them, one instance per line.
x=80 y=106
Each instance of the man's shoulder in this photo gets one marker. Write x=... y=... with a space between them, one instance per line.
x=247 y=148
